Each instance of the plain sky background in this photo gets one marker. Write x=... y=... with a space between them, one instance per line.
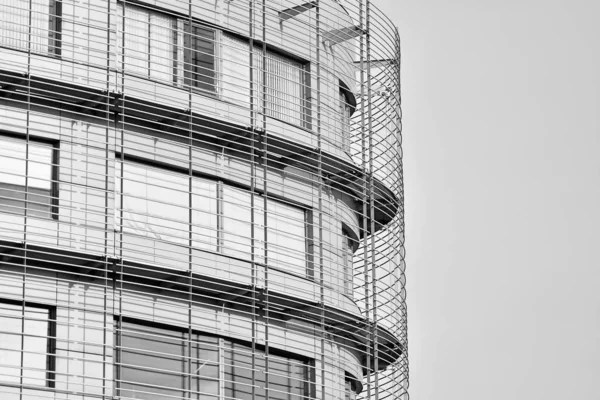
x=501 y=143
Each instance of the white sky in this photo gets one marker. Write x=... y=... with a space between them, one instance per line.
x=502 y=178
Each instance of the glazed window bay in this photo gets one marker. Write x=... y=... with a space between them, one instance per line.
x=189 y=54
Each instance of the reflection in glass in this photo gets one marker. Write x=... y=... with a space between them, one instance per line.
x=24 y=344
x=237 y=226
x=287 y=377
x=152 y=362
x=286 y=235
x=20 y=161
x=16 y=20
x=147 y=40
x=156 y=205
x=155 y=363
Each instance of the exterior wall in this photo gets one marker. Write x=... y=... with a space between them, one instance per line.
x=94 y=263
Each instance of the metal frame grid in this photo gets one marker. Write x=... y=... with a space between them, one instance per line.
x=111 y=90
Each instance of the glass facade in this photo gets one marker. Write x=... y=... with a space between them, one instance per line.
x=157 y=362
x=214 y=62
x=156 y=205
x=200 y=200
x=286 y=378
x=154 y=363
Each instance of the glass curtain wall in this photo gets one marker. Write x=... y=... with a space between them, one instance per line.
x=147 y=41
x=156 y=363
x=156 y=205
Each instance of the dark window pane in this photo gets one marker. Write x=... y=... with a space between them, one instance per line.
x=286 y=375
x=205 y=363
x=200 y=66
x=152 y=362
x=205 y=367
x=157 y=363
x=12 y=200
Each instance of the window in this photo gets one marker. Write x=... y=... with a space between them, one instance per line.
x=348 y=247
x=154 y=363
x=235 y=74
x=345 y=114
x=28 y=178
x=156 y=204
x=286 y=225
x=27 y=343
x=286 y=230
x=350 y=392
x=237 y=222
x=44 y=21
x=286 y=86
x=214 y=63
x=288 y=378
x=284 y=92
x=200 y=57
x=157 y=362
x=147 y=40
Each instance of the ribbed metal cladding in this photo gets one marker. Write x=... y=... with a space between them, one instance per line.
x=200 y=200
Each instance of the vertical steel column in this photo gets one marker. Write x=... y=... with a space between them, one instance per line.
x=107 y=169
x=253 y=163
x=320 y=186
x=263 y=159
x=119 y=118
x=372 y=207
x=404 y=369
x=365 y=195
x=26 y=205
x=188 y=342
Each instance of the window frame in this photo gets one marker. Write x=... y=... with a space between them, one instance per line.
x=345 y=120
x=258 y=211
x=350 y=389
x=54 y=30
x=349 y=247
x=305 y=84
x=308 y=363
x=121 y=51
x=184 y=341
x=183 y=65
x=54 y=169
x=347 y=107
x=50 y=380
x=224 y=344
x=188 y=54
x=219 y=61
x=220 y=200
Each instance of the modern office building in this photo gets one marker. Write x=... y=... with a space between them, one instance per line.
x=200 y=199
